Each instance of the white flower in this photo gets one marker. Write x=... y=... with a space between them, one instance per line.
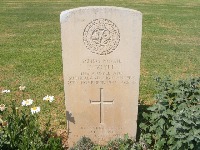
x=48 y=98
x=22 y=88
x=35 y=110
x=2 y=107
x=5 y=91
x=27 y=102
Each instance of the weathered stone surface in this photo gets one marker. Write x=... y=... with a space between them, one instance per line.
x=101 y=49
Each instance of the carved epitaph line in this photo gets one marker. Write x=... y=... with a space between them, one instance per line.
x=101 y=103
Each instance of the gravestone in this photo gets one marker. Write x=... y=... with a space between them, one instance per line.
x=101 y=49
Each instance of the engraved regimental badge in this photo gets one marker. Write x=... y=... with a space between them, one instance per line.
x=101 y=36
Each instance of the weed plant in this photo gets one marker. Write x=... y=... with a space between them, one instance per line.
x=173 y=123
x=125 y=143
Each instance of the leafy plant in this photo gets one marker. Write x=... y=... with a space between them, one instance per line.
x=84 y=143
x=20 y=128
x=174 y=121
x=125 y=143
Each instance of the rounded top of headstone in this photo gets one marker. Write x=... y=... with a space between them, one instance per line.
x=65 y=14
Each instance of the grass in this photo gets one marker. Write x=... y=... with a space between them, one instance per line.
x=30 y=45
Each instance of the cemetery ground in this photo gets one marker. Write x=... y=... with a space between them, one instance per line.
x=30 y=48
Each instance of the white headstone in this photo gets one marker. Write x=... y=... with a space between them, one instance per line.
x=101 y=49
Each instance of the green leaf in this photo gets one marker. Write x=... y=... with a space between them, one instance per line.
x=187 y=121
x=126 y=136
x=152 y=108
x=143 y=126
x=171 y=131
x=161 y=122
x=190 y=138
x=191 y=146
x=160 y=143
x=145 y=115
x=155 y=116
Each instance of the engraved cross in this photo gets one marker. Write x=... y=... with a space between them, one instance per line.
x=101 y=104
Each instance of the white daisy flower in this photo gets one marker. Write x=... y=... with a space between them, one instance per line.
x=35 y=110
x=22 y=88
x=27 y=102
x=2 y=107
x=48 y=98
x=5 y=91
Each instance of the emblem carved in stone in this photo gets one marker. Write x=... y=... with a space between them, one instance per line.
x=101 y=36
